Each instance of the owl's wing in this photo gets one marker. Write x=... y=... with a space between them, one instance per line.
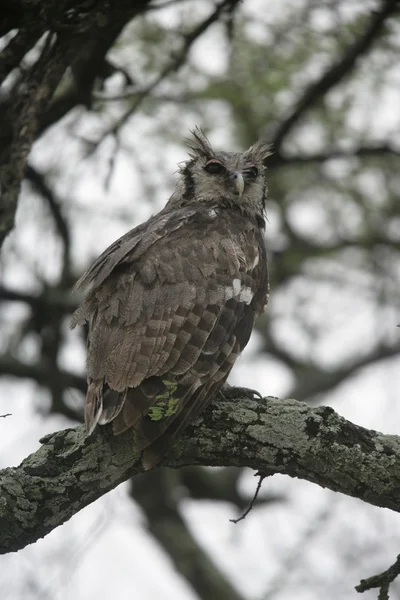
x=128 y=248
x=167 y=327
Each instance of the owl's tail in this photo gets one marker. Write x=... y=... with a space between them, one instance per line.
x=155 y=452
x=157 y=411
x=93 y=406
x=102 y=405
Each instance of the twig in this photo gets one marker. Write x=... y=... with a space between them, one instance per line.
x=173 y=66
x=381 y=581
x=261 y=476
x=6 y=415
x=39 y=183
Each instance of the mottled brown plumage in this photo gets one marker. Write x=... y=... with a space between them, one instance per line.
x=172 y=303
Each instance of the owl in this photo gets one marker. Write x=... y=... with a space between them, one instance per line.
x=172 y=303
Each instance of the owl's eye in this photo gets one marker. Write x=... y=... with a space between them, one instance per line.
x=250 y=172
x=214 y=167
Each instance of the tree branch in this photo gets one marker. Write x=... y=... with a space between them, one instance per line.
x=221 y=485
x=15 y=50
x=174 y=64
x=49 y=299
x=40 y=184
x=72 y=31
x=381 y=581
x=313 y=381
x=156 y=494
x=88 y=65
x=336 y=72
x=378 y=150
x=70 y=471
x=40 y=84
x=41 y=372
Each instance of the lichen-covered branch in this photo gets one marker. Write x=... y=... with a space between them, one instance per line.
x=70 y=471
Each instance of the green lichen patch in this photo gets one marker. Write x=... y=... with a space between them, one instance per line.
x=166 y=405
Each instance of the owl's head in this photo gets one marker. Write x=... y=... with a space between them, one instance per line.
x=231 y=179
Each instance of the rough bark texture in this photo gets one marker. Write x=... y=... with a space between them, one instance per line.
x=78 y=37
x=69 y=471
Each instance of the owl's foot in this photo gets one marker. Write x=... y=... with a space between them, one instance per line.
x=229 y=392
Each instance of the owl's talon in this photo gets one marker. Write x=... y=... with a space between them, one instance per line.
x=231 y=392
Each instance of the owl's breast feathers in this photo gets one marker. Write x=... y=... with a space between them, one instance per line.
x=171 y=306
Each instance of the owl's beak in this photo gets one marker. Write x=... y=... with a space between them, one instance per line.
x=238 y=181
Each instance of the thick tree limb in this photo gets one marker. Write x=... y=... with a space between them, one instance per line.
x=14 y=52
x=156 y=494
x=70 y=471
x=70 y=30
x=40 y=84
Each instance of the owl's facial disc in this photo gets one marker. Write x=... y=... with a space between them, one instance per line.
x=230 y=179
x=215 y=167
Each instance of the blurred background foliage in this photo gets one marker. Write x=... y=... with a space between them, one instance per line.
x=320 y=81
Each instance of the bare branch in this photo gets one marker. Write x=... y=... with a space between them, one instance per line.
x=311 y=380
x=336 y=72
x=39 y=183
x=177 y=60
x=382 y=150
x=42 y=373
x=89 y=65
x=261 y=478
x=50 y=299
x=318 y=381
x=381 y=581
x=156 y=494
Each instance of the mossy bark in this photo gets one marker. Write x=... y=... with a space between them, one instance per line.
x=69 y=471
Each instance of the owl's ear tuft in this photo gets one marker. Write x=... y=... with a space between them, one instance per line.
x=259 y=151
x=199 y=144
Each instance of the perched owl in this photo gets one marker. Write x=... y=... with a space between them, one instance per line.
x=172 y=302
